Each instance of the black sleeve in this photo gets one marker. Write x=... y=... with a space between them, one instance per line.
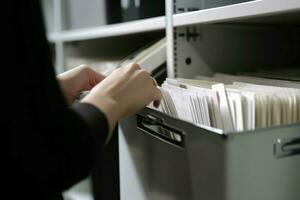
x=51 y=145
x=95 y=119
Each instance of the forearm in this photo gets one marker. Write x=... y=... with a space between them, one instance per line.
x=108 y=107
x=60 y=150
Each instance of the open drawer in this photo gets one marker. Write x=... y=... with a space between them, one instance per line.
x=174 y=159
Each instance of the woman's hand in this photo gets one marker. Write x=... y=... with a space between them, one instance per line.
x=77 y=80
x=124 y=92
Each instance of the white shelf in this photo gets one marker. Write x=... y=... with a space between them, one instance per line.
x=254 y=11
x=144 y=25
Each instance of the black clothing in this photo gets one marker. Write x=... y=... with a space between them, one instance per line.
x=51 y=146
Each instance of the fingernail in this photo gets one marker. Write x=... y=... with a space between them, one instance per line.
x=156 y=103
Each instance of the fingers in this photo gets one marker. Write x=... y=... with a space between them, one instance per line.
x=135 y=66
x=157 y=97
x=128 y=89
x=132 y=67
x=93 y=77
x=154 y=82
x=156 y=93
x=156 y=103
x=143 y=78
x=99 y=77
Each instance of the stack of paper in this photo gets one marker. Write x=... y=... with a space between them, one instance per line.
x=232 y=103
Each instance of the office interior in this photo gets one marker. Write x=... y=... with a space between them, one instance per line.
x=154 y=155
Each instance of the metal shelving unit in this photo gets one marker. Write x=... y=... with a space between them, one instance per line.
x=254 y=11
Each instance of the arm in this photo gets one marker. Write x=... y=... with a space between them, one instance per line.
x=53 y=146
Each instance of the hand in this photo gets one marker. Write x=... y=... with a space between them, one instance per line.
x=79 y=79
x=124 y=92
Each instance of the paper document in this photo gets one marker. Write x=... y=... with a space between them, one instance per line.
x=232 y=103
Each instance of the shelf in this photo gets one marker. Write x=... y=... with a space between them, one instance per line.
x=253 y=11
x=259 y=11
x=144 y=25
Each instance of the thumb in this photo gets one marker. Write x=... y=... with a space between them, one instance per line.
x=99 y=77
x=93 y=79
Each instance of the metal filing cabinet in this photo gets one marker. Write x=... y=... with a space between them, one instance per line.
x=173 y=159
x=165 y=158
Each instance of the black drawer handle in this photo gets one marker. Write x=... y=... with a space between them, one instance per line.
x=287 y=147
x=156 y=127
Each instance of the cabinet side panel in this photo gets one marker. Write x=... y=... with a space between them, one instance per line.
x=255 y=172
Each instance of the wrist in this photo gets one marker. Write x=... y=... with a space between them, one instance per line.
x=108 y=106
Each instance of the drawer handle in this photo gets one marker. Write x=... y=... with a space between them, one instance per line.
x=156 y=127
x=287 y=147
